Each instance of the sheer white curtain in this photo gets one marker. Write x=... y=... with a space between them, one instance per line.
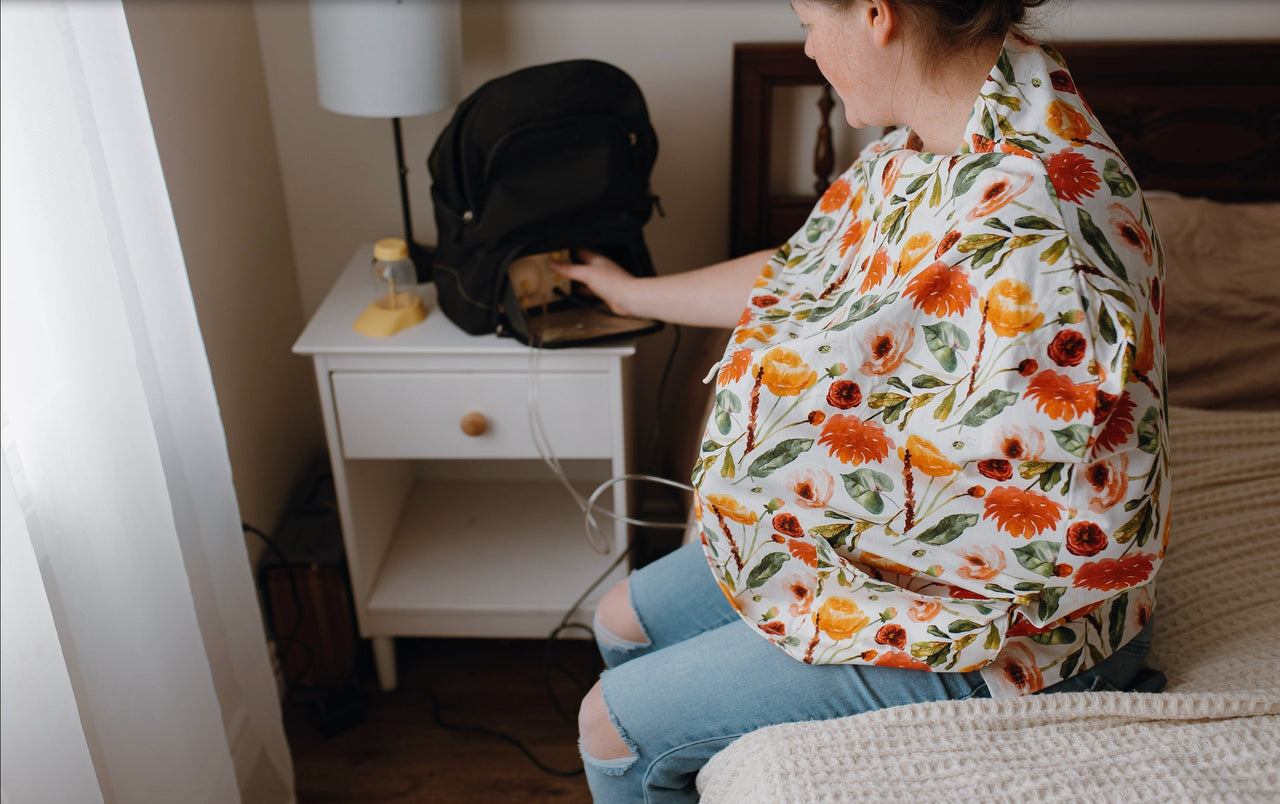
x=135 y=665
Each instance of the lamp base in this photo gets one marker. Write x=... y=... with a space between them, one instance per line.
x=422 y=258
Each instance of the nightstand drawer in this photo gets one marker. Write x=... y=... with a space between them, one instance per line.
x=470 y=415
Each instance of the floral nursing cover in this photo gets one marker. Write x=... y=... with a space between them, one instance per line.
x=939 y=437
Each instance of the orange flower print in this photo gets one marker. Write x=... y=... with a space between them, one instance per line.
x=788 y=524
x=805 y=551
x=854 y=441
x=840 y=618
x=835 y=197
x=785 y=373
x=1073 y=176
x=1020 y=443
x=813 y=487
x=798 y=586
x=924 y=611
x=893 y=635
x=941 y=290
x=844 y=394
x=875 y=270
x=1145 y=358
x=1021 y=513
x=1118 y=415
x=736 y=368
x=885 y=565
x=1085 y=539
x=1011 y=310
x=763 y=333
x=927 y=458
x=1113 y=574
x=998 y=192
x=852 y=237
x=896 y=658
x=732 y=509
x=1017 y=670
x=1109 y=480
x=1128 y=231
x=1068 y=348
x=981 y=563
x=890 y=175
x=915 y=249
x=1066 y=121
x=887 y=346
x=766 y=274
x=774 y=627
x=1058 y=397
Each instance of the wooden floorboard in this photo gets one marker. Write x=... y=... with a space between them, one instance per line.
x=397 y=752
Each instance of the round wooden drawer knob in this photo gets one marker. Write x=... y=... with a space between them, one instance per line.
x=474 y=424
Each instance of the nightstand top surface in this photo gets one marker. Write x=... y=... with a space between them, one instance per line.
x=330 y=332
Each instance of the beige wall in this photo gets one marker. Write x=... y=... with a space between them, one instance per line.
x=206 y=93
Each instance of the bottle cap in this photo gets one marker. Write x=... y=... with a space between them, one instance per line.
x=390 y=249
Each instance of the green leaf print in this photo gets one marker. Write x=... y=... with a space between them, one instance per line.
x=727 y=403
x=1139 y=525
x=1073 y=438
x=1038 y=557
x=1106 y=326
x=931 y=653
x=1049 y=599
x=1055 y=250
x=927 y=381
x=1098 y=241
x=1115 y=629
x=863 y=308
x=943 y=340
x=1061 y=635
x=962 y=626
x=944 y=407
x=834 y=535
x=779 y=456
x=865 y=485
x=948 y=529
x=1149 y=432
x=1121 y=183
x=815 y=228
x=1006 y=69
x=766 y=569
x=897 y=383
x=728 y=469
x=1035 y=222
x=988 y=407
x=819 y=313
x=1069 y=663
x=967 y=175
x=993 y=638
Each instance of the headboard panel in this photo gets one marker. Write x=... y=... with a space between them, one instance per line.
x=1196 y=118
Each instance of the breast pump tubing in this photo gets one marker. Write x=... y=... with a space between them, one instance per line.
x=707 y=297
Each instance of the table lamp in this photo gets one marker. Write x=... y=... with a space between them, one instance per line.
x=389 y=58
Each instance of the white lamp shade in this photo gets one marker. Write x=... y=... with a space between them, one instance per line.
x=383 y=58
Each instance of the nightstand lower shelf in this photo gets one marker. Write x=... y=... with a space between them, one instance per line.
x=475 y=559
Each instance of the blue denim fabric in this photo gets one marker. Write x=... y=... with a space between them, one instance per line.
x=705 y=678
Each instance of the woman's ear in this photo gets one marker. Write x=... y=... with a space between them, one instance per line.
x=882 y=20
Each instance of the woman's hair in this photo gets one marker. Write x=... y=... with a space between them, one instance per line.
x=943 y=28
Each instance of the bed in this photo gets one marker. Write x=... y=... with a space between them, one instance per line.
x=1215 y=732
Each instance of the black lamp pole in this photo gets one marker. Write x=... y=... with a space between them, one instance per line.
x=419 y=254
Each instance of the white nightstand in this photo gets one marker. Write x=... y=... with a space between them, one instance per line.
x=450 y=534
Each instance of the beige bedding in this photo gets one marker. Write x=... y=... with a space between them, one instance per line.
x=1213 y=735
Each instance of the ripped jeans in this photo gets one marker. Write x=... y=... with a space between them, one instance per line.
x=705 y=678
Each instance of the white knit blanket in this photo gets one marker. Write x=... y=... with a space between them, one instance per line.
x=1213 y=735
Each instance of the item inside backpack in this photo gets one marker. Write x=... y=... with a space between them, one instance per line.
x=545 y=309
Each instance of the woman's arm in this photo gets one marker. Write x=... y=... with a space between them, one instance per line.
x=704 y=297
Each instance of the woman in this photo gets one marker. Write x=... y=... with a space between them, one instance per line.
x=937 y=465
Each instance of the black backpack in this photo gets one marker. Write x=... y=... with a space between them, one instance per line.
x=547 y=158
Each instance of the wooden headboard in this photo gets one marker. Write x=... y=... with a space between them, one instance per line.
x=1196 y=118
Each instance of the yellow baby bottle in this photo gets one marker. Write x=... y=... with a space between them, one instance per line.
x=396 y=304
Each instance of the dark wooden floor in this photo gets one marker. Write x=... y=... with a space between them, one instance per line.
x=398 y=752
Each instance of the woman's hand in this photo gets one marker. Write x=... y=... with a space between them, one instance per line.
x=612 y=283
x=704 y=297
